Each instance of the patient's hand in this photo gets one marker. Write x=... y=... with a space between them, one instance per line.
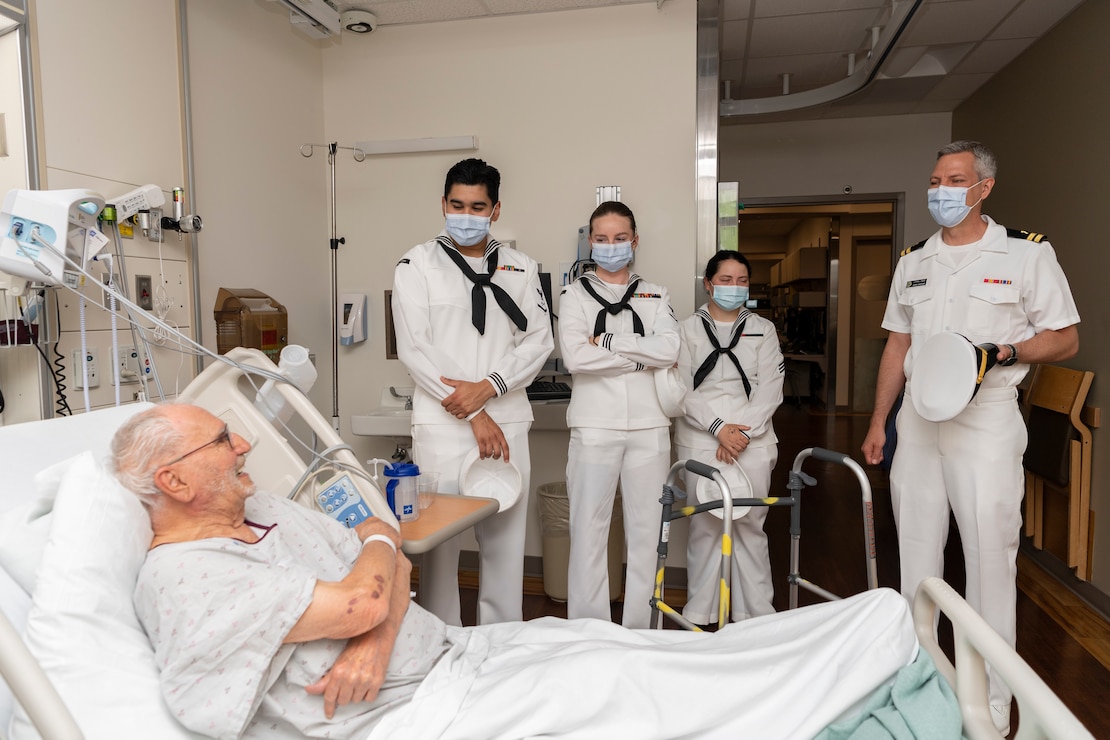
x=358 y=673
x=374 y=525
x=360 y=670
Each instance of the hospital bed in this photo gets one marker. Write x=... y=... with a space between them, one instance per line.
x=74 y=540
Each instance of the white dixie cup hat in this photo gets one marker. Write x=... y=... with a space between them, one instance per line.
x=490 y=478
x=739 y=487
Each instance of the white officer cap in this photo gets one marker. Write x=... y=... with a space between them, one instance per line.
x=947 y=372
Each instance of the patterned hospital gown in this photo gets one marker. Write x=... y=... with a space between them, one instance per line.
x=217 y=610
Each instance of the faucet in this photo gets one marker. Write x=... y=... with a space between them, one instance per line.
x=408 y=399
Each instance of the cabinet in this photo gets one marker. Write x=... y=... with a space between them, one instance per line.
x=799 y=304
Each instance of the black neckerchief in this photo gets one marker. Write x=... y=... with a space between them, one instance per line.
x=478 y=293
x=711 y=361
x=614 y=308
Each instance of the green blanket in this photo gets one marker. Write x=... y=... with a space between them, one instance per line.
x=918 y=705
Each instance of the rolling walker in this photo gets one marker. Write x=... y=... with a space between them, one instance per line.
x=797 y=482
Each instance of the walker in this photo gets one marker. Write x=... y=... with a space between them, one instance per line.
x=798 y=480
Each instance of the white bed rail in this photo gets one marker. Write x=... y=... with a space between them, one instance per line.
x=32 y=689
x=1042 y=714
x=273 y=463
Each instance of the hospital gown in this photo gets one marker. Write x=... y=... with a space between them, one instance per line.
x=217 y=610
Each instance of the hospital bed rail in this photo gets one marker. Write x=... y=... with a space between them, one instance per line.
x=1042 y=713
x=32 y=688
x=798 y=480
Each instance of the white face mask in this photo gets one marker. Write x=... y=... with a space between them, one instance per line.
x=730 y=297
x=611 y=257
x=948 y=205
x=465 y=229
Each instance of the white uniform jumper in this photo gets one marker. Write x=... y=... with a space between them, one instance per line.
x=436 y=337
x=722 y=398
x=617 y=430
x=1005 y=289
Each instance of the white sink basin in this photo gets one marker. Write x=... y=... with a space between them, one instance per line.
x=386 y=421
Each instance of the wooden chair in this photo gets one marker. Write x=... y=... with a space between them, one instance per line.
x=1059 y=456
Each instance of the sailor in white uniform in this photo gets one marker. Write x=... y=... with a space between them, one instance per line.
x=733 y=368
x=473 y=330
x=615 y=329
x=993 y=285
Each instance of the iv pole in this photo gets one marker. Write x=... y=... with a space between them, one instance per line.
x=333 y=243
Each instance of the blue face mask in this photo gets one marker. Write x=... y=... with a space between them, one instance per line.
x=611 y=257
x=948 y=205
x=730 y=297
x=465 y=229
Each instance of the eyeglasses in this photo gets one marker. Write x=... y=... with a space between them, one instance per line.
x=224 y=436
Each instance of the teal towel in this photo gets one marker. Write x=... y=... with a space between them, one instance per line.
x=919 y=705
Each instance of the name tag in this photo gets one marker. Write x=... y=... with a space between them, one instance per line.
x=916 y=283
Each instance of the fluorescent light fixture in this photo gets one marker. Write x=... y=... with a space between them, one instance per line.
x=413 y=146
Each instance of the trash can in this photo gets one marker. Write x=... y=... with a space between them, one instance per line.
x=554 y=507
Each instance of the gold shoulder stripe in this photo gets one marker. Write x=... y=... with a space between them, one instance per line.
x=1031 y=236
x=914 y=248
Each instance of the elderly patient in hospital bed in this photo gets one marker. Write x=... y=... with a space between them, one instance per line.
x=271 y=620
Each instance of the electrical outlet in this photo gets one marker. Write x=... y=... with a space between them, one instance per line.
x=155 y=234
x=128 y=366
x=91 y=366
x=144 y=295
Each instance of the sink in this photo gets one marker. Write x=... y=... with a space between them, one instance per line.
x=386 y=421
x=390 y=419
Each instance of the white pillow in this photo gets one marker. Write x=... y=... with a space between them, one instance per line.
x=82 y=627
x=25 y=528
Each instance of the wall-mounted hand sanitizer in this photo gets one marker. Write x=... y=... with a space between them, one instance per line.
x=352 y=318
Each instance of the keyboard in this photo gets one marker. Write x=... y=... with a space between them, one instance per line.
x=545 y=390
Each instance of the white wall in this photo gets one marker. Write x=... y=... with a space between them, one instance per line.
x=257 y=97
x=561 y=103
x=891 y=154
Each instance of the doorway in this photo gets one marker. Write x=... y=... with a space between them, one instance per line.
x=821 y=272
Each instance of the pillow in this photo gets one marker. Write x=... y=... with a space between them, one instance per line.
x=25 y=529
x=82 y=627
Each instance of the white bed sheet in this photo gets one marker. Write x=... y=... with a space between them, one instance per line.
x=786 y=675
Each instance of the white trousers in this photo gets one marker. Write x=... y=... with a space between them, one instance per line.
x=970 y=465
x=440 y=448
x=595 y=461
x=751 y=590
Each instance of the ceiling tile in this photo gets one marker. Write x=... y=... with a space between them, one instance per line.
x=957 y=21
x=734 y=40
x=991 y=56
x=1033 y=18
x=769 y=8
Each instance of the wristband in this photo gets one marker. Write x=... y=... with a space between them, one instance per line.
x=379 y=538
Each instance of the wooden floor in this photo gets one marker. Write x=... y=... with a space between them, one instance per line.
x=1065 y=642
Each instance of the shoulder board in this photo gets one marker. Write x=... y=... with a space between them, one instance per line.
x=403 y=261
x=1031 y=236
x=914 y=248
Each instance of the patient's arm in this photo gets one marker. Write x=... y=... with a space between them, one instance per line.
x=359 y=602
x=360 y=670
